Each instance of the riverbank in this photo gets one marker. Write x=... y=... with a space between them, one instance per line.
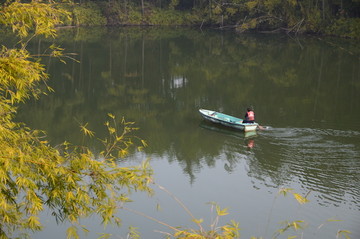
x=98 y=13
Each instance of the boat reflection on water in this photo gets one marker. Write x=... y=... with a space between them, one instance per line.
x=248 y=137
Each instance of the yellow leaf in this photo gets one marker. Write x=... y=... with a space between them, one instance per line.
x=111 y=129
x=333 y=220
x=34 y=222
x=343 y=233
x=198 y=221
x=221 y=212
x=296 y=224
x=300 y=199
x=86 y=131
x=144 y=143
x=72 y=233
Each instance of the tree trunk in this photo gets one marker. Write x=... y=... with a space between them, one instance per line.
x=125 y=7
x=142 y=7
x=210 y=3
x=143 y=61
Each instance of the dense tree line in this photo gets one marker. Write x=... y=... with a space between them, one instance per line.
x=331 y=17
x=337 y=17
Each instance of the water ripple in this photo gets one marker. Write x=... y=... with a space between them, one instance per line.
x=323 y=160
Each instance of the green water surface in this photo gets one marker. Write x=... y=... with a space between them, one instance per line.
x=305 y=89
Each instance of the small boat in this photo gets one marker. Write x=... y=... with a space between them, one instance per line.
x=227 y=120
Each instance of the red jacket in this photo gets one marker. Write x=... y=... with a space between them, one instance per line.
x=250 y=115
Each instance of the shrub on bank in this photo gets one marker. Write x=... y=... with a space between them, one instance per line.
x=85 y=14
x=173 y=17
x=133 y=16
x=344 y=27
x=113 y=13
x=88 y=14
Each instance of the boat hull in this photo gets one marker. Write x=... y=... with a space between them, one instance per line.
x=227 y=120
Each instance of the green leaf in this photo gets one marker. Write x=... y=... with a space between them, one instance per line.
x=251 y=4
x=284 y=191
x=134 y=233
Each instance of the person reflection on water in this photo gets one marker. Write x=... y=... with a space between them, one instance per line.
x=250 y=143
x=249 y=116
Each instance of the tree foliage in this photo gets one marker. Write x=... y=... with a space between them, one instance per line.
x=243 y=15
x=35 y=17
x=67 y=179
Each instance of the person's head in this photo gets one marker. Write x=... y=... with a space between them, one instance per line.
x=249 y=109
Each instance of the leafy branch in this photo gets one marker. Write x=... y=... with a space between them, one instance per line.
x=228 y=231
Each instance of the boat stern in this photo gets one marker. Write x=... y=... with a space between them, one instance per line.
x=250 y=127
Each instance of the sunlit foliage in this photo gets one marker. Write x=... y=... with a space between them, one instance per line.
x=35 y=18
x=67 y=179
x=230 y=230
x=19 y=76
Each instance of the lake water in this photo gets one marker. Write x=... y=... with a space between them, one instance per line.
x=306 y=90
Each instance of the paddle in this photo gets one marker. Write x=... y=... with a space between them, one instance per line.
x=261 y=128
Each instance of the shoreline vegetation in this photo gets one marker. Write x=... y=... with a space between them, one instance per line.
x=332 y=18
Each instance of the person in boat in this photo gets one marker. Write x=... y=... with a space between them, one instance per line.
x=249 y=116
